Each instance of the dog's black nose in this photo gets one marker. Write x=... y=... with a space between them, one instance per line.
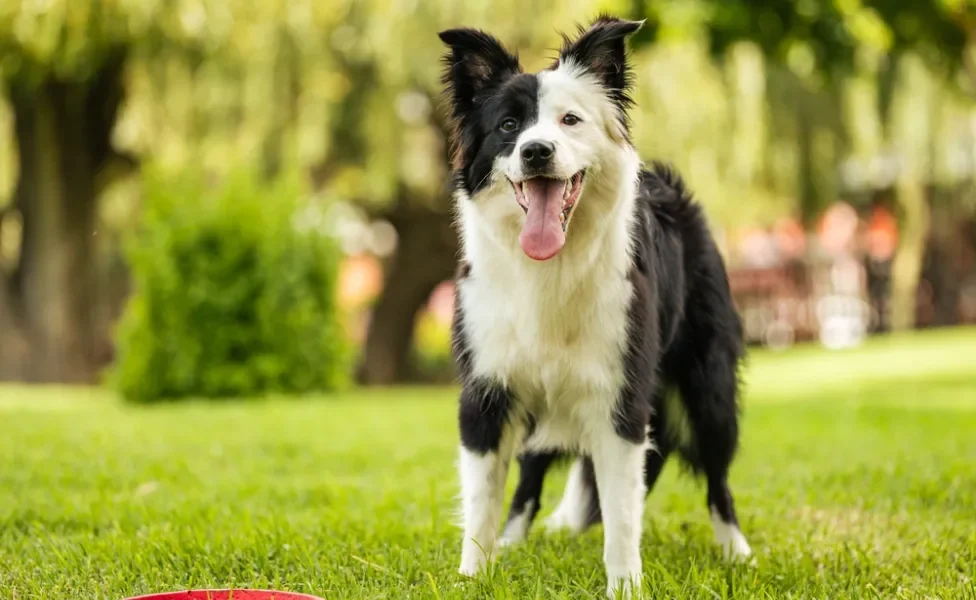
x=537 y=155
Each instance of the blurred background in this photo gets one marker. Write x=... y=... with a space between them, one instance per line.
x=237 y=197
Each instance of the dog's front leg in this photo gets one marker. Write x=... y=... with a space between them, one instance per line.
x=619 y=468
x=487 y=446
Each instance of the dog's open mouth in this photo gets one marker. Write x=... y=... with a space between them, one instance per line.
x=548 y=205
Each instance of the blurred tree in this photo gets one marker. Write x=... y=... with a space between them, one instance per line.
x=829 y=36
x=812 y=48
x=64 y=69
x=349 y=90
x=824 y=44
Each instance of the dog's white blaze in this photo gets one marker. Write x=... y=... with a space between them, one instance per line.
x=563 y=90
x=482 y=496
x=573 y=509
x=729 y=538
x=555 y=332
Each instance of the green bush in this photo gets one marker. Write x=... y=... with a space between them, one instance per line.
x=229 y=299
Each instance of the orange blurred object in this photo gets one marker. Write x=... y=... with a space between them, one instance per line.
x=882 y=234
x=360 y=280
x=838 y=228
x=790 y=237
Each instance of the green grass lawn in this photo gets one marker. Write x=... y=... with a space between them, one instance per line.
x=856 y=479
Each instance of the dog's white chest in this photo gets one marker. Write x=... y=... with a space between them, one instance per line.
x=556 y=342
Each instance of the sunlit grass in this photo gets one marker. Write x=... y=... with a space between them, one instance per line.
x=856 y=479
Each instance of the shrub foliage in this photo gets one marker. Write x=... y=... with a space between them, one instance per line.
x=230 y=297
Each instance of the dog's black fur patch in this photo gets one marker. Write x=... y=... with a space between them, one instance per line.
x=481 y=74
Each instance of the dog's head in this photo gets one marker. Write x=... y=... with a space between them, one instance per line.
x=531 y=144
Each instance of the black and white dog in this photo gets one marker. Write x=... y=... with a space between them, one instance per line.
x=593 y=314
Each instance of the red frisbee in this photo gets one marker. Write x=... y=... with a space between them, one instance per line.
x=226 y=595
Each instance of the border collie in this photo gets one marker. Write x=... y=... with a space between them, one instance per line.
x=593 y=314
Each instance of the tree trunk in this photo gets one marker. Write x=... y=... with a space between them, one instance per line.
x=63 y=134
x=13 y=343
x=906 y=268
x=426 y=256
x=945 y=257
x=809 y=200
x=911 y=107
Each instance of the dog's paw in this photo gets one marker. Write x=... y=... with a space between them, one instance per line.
x=470 y=571
x=734 y=546
x=625 y=588
x=472 y=567
x=516 y=530
x=474 y=559
x=737 y=550
x=563 y=521
x=739 y=554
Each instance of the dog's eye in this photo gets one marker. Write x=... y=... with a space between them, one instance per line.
x=571 y=119
x=509 y=125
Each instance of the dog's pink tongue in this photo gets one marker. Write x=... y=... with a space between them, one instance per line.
x=542 y=235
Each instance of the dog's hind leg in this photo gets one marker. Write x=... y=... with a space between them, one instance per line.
x=658 y=452
x=724 y=522
x=527 y=499
x=580 y=505
x=705 y=367
x=710 y=450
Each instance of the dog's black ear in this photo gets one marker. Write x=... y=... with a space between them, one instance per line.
x=476 y=61
x=601 y=50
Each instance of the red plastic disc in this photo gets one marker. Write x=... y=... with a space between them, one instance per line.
x=226 y=595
